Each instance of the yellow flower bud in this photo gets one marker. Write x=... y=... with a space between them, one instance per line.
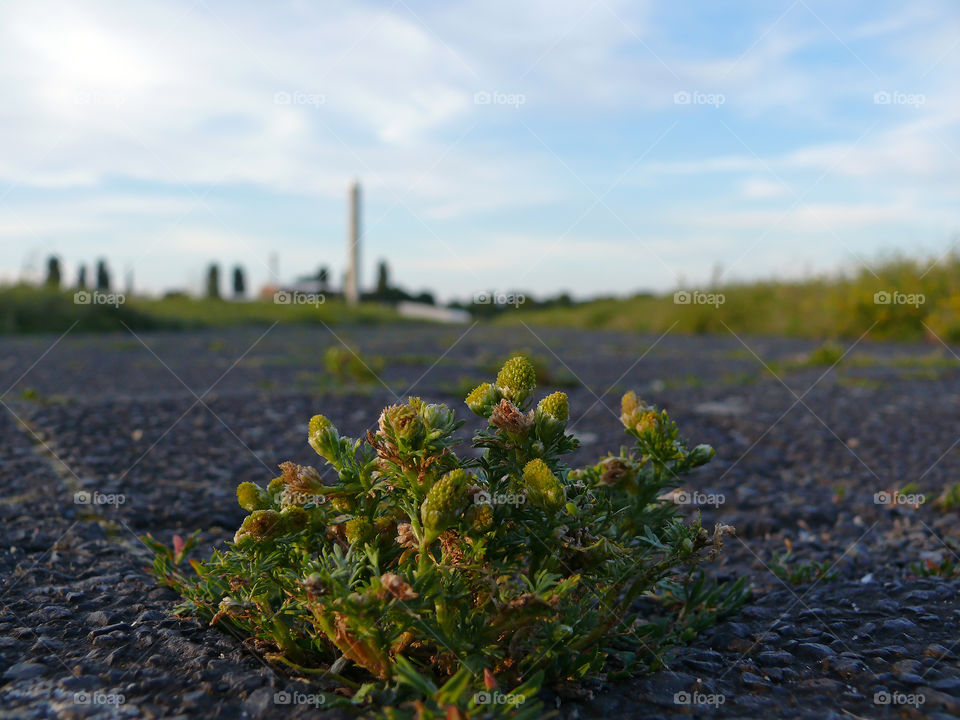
x=260 y=526
x=444 y=502
x=543 y=487
x=482 y=399
x=251 y=497
x=555 y=404
x=516 y=379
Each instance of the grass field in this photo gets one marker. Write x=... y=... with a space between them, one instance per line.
x=922 y=301
x=898 y=299
x=26 y=309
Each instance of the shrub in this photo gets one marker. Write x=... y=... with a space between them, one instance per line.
x=435 y=585
x=346 y=365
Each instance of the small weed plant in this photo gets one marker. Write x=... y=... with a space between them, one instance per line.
x=346 y=365
x=786 y=567
x=423 y=583
x=944 y=568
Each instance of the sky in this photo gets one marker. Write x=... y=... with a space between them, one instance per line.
x=594 y=147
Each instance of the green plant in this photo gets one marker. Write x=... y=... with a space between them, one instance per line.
x=31 y=394
x=945 y=568
x=347 y=365
x=424 y=582
x=826 y=354
x=786 y=567
x=949 y=499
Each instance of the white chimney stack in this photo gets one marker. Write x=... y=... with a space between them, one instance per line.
x=351 y=288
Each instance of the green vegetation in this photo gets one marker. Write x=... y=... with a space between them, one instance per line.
x=346 y=365
x=786 y=567
x=949 y=499
x=899 y=299
x=429 y=585
x=28 y=309
x=945 y=568
x=825 y=307
x=826 y=355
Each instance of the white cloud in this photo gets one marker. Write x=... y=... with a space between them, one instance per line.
x=182 y=100
x=762 y=188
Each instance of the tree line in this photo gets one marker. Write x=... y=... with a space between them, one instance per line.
x=383 y=291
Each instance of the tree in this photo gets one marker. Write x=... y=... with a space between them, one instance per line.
x=53 y=272
x=239 y=282
x=383 y=280
x=323 y=279
x=103 y=276
x=213 y=281
x=82 y=278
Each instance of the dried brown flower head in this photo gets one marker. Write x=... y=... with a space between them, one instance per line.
x=397 y=586
x=406 y=537
x=615 y=470
x=507 y=417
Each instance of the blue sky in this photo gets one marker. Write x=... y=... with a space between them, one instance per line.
x=600 y=146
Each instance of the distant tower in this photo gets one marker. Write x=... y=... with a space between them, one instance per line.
x=351 y=289
x=274 y=265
